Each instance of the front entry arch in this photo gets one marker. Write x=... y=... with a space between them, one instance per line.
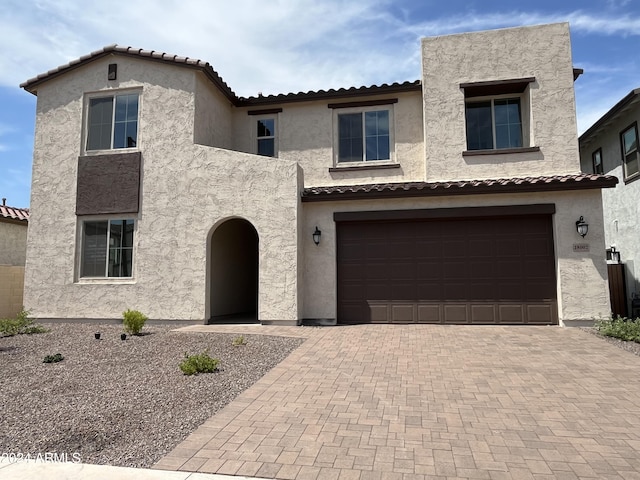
x=233 y=272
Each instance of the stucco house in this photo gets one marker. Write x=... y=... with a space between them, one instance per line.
x=451 y=199
x=13 y=248
x=610 y=146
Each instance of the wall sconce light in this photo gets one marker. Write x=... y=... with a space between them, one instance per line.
x=582 y=227
x=316 y=236
x=615 y=254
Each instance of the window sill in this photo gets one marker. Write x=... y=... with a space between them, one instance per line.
x=105 y=280
x=89 y=153
x=631 y=179
x=364 y=166
x=501 y=151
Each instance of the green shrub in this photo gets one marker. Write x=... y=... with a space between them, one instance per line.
x=133 y=321
x=239 y=341
x=53 y=358
x=202 y=363
x=21 y=324
x=620 y=327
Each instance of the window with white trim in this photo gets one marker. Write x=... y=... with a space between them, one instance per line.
x=364 y=136
x=630 y=152
x=112 y=122
x=107 y=248
x=266 y=136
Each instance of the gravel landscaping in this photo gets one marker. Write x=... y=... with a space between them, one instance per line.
x=632 y=347
x=123 y=403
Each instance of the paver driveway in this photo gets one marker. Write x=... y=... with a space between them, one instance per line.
x=424 y=402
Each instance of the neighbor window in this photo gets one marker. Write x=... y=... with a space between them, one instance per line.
x=112 y=122
x=107 y=248
x=494 y=124
x=597 y=161
x=363 y=136
x=630 y=154
x=266 y=136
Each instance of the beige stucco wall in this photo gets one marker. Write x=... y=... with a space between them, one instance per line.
x=213 y=118
x=543 y=52
x=620 y=204
x=582 y=277
x=13 y=243
x=305 y=134
x=11 y=288
x=187 y=190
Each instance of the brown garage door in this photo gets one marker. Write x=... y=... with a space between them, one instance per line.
x=479 y=270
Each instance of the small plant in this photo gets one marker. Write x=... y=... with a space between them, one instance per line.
x=202 y=363
x=239 y=341
x=133 y=321
x=19 y=325
x=53 y=358
x=620 y=327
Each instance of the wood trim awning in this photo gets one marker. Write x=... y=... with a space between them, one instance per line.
x=496 y=87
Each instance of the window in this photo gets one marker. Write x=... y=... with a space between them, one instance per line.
x=494 y=124
x=112 y=122
x=630 y=154
x=363 y=136
x=266 y=135
x=597 y=161
x=107 y=248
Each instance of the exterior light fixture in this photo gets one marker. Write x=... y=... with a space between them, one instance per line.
x=316 y=236
x=615 y=254
x=582 y=227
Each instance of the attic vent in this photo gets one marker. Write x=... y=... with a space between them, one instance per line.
x=113 y=71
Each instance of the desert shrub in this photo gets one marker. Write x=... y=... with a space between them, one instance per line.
x=53 y=358
x=239 y=341
x=620 y=327
x=201 y=363
x=133 y=321
x=21 y=324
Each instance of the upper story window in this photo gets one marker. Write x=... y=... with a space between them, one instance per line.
x=596 y=157
x=497 y=114
x=112 y=122
x=494 y=124
x=107 y=248
x=364 y=136
x=266 y=136
x=630 y=154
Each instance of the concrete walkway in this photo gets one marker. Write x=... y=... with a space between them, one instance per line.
x=429 y=402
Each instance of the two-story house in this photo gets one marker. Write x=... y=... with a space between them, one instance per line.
x=610 y=146
x=452 y=199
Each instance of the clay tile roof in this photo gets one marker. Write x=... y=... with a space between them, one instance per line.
x=12 y=213
x=461 y=187
x=31 y=85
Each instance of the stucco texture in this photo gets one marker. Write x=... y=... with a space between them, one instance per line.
x=543 y=52
x=186 y=191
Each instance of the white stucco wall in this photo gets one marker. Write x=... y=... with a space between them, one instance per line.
x=582 y=277
x=13 y=243
x=621 y=205
x=187 y=190
x=543 y=52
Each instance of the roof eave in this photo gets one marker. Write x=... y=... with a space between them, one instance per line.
x=613 y=111
x=424 y=189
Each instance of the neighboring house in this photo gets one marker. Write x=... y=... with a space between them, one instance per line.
x=452 y=199
x=13 y=248
x=610 y=146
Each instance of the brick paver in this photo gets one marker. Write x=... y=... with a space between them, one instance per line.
x=420 y=401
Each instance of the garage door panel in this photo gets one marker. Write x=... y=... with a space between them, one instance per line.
x=470 y=271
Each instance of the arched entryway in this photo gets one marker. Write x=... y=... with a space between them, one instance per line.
x=233 y=286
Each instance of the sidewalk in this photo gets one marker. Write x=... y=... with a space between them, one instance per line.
x=82 y=471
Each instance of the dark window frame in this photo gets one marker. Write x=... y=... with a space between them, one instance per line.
x=596 y=170
x=363 y=137
x=490 y=103
x=266 y=141
x=103 y=134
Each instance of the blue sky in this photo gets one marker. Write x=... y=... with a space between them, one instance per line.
x=285 y=46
